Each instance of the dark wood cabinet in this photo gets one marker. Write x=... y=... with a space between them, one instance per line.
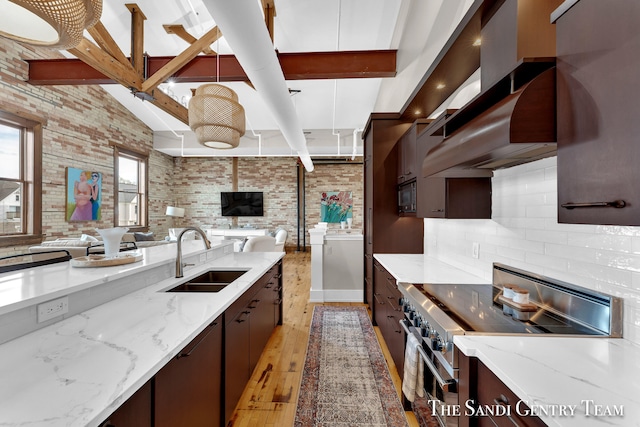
x=409 y=163
x=187 y=390
x=513 y=30
x=477 y=383
x=598 y=126
x=237 y=360
x=135 y=412
x=491 y=392
x=449 y=197
x=456 y=198
x=388 y=313
x=384 y=230
x=249 y=322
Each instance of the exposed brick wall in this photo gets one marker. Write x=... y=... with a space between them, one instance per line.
x=81 y=121
x=334 y=177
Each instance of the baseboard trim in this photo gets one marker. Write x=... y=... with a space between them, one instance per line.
x=337 y=295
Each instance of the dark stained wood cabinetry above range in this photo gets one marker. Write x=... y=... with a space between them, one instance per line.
x=517 y=29
x=444 y=197
x=598 y=127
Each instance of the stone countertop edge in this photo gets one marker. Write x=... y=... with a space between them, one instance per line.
x=79 y=370
x=597 y=377
x=419 y=268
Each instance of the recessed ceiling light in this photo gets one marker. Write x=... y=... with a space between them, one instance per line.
x=477 y=42
x=440 y=86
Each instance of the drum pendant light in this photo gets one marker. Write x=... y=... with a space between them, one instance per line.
x=56 y=24
x=216 y=117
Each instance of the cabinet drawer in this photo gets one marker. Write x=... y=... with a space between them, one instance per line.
x=493 y=393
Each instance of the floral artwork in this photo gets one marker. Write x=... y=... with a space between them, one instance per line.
x=336 y=206
x=84 y=195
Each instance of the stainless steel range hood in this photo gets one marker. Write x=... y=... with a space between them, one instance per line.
x=494 y=132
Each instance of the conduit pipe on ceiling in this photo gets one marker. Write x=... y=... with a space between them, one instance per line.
x=243 y=27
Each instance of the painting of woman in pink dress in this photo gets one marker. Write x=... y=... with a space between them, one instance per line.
x=81 y=191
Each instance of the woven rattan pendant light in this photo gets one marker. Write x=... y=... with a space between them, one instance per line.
x=216 y=117
x=56 y=24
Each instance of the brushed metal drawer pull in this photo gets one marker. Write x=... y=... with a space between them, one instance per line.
x=188 y=353
x=618 y=204
x=503 y=401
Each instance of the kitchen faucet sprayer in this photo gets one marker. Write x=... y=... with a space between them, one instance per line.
x=179 y=264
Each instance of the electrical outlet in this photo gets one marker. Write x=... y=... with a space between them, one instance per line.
x=54 y=308
x=476 y=250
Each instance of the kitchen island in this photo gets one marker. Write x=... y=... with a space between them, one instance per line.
x=77 y=371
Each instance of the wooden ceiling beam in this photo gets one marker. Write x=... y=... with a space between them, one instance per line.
x=175 y=64
x=269 y=8
x=178 y=30
x=107 y=65
x=170 y=105
x=102 y=37
x=296 y=66
x=137 y=38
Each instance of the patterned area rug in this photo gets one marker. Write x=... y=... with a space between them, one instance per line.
x=346 y=381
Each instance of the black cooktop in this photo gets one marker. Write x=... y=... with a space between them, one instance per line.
x=477 y=308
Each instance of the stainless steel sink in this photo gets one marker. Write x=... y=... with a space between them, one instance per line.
x=210 y=281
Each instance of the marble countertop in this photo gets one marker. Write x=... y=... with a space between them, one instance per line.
x=597 y=378
x=418 y=268
x=23 y=288
x=77 y=371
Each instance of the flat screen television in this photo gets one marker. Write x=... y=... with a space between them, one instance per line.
x=242 y=203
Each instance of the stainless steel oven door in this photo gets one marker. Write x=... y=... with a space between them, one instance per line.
x=440 y=387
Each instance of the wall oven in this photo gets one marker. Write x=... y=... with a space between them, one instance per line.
x=438 y=312
x=407 y=197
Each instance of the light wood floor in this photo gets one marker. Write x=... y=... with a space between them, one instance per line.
x=270 y=397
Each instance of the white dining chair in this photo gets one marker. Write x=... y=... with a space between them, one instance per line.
x=260 y=244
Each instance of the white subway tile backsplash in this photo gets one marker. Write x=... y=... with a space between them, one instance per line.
x=541 y=211
x=525 y=233
x=599 y=241
x=623 y=261
x=575 y=253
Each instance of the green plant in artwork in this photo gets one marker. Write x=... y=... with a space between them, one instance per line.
x=336 y=206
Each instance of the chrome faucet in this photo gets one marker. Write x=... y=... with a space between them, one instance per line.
x=179 y=264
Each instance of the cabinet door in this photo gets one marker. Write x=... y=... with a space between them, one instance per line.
x=380 y=306
x=432 y=198
x=395 y=336
x=187 y=389
x=493 y=392
x=135 y=412
x=598 y=126
x=237 y=361
x=455 y=198
x=261 y=324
